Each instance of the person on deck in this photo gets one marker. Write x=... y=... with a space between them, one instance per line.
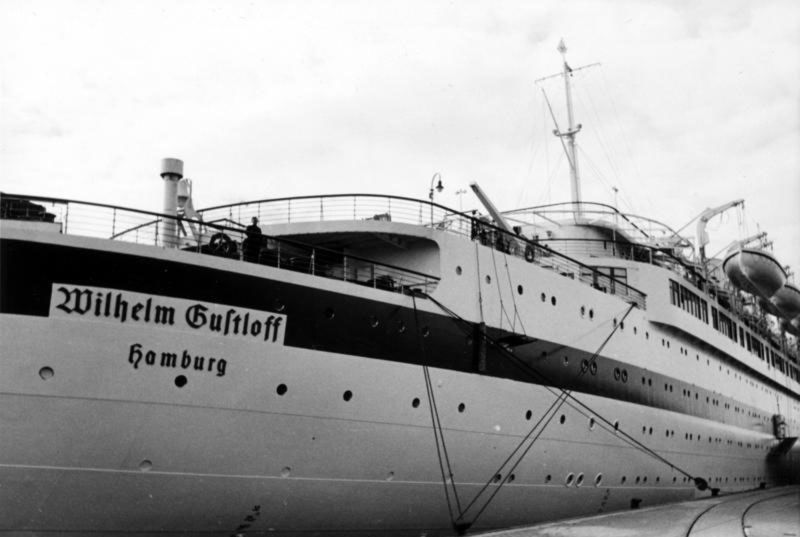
x=252 y=244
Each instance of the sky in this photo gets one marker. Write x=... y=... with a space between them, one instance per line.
x=694 y=103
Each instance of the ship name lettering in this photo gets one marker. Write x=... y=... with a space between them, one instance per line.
x=232 y=322
x=137 y=355
x=113 y=305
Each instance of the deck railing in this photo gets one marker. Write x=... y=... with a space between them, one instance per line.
x=230 y=241
x=94 y=219
x=349 y=207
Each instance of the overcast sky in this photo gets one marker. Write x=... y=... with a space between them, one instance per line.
x=694 y=104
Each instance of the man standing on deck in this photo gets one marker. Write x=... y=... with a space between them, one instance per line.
x=252 y=246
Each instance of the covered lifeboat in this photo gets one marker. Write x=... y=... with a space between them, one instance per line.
x=754 y=271
x=787 y=301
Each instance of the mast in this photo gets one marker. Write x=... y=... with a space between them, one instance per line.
x=572 y=130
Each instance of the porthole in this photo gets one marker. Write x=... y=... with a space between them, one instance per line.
x=488 y=279
x=329 y=313
x=616 y=425
x=584 y=365
x=591 y=314
x=570 y=478
x=511 y=478
x=373 y=321
x=635 y=330
x=566 y=361
x=591 y=424
x=583 y=311
x=180 y=381
x=458 y=270
x=519 y=289
x=623 y=480
x=282 y=389
x=548 y=478
x=598 y=479
x=562 y=419
x=579 y=480
x=401 y=327
x=415 y=402
x=543 y=297
x=426 y=331
x=553 y=300
x=347 y=395
x=593 y=368
x=528 y=415
x=617 y=373
x=278 y=305
x=46 y=373
x=647 y=335
x=461 y=407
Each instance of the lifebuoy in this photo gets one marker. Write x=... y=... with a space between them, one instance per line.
x=221 y=244
x=529 y=254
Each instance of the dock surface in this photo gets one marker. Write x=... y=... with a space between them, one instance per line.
x=762 y=513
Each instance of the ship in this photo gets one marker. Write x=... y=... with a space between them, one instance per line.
x=360 y=364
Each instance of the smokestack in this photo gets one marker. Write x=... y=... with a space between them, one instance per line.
x=171 y=173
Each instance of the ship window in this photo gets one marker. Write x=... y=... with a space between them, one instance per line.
x=415 y=402
x=688 y=301
x=461 y=407
x=281 y=389
x=459 y=270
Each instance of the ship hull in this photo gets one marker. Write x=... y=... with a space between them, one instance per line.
x=321 y=423
x=86 y=457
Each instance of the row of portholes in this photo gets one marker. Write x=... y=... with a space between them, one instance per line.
x=347 y=395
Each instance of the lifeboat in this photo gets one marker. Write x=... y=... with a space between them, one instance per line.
x=787 y=301
x=754 y=271
x=793 y=326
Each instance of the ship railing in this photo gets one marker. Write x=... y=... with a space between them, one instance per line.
x=225 y=238
x=107 y=221
x=635 y=227
x=360 y=207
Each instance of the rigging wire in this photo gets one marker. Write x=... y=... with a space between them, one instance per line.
x=549 y=414
x=562 y=397
x=438 y=430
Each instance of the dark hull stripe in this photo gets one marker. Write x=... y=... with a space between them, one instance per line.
x=28 y=270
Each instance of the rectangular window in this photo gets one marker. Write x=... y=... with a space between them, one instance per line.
x=688 y=301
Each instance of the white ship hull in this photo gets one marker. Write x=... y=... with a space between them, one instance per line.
x=97 y=440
